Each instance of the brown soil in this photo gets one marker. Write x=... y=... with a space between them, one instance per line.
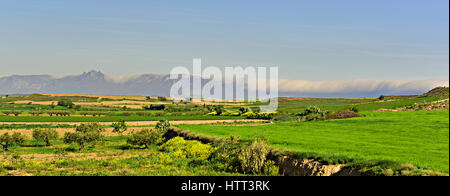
x=143 y=123
x=100 y=96
x=306 y=167
x=62 y=131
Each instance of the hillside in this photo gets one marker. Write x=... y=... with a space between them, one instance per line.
x=442 y=92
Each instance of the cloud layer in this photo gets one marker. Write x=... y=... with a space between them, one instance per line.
x=358 y=87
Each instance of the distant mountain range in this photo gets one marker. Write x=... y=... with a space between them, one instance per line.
x=95 y=82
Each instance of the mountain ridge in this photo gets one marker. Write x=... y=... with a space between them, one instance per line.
x=95 y=82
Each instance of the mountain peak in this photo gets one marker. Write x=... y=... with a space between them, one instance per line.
x=93 y=75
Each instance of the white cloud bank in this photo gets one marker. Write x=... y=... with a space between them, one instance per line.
x=358 y=87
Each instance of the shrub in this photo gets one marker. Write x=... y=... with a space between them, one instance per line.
x=119 y=127
x=244 y=110
x=177 y=113
x=162 y=99
x=143 y=113
x=7 y=113
x=227 y=153
x=36 y=113
x=285 y=117
x=218 y=109
x=127 y=114
x=160 y=113
x=312 y=113
x=252 y=158
x=163 y=125
x=344 y=114
x=84 y=113
x=154 y=107
x=257 y=115
x=66 y=103
x=16 y=113
x=188 y=148
x=85 y=134
x=382 y=97
x=354 y=109
x=145 y=137
x=45 y=135
x=7 y=140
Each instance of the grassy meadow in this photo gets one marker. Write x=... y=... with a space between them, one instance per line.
x=387 y=128
x=417 y=137
x=111 y=157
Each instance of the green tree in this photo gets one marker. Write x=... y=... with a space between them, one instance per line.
x=45 y=135
x=7 y=140
x=16 y=113
x=119 y=127
x=145 y=137
x=382 y=97
x=85 y=134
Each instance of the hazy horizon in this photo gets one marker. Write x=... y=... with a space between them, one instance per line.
x=95 y=82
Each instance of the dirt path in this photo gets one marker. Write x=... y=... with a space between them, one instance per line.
x=142 y=123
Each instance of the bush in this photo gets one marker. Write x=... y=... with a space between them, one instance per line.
x=162 y=99
x=7 y=140
x=45 y=135
x=144 y=113
x=312 y=113
x=127 y=114
x=15 y=113
x=59 y=113
x=253 y=158
x=66 y=103
x=85 y=134
x=188 y=148
x=382 y=97
x=7 y=113
x=227 y=154
x=36 y=113
x=160 y=113
x=163 y=125
x=244 y=110
x=154 y=107
x=145 y=137
x=257 y=115
x=119 y=127
x=285 y=117
x=344 y=114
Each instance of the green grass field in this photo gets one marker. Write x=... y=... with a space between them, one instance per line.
x=364 y=105
x=394 y=104
x=417 y=137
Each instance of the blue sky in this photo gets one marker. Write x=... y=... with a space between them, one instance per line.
x=308 y=40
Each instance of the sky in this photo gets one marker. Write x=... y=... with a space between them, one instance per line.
x=308 y=40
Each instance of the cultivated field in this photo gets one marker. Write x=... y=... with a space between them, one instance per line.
x=130 y=135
